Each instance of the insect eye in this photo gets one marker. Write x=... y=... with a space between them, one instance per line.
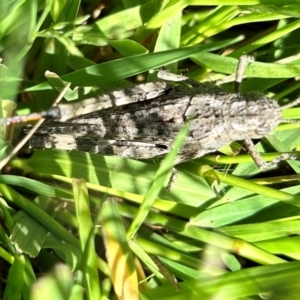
x=263 y=129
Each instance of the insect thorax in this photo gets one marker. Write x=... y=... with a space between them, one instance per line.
x=234 y=116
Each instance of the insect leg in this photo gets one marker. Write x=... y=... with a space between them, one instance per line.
x=259 y=160
x=168 y=76
x=243 y=62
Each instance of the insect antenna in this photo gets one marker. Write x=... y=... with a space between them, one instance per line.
x=290 y=121
x=289 y=105
x=292 y=104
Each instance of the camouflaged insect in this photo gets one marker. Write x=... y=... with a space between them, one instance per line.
x=142 y=122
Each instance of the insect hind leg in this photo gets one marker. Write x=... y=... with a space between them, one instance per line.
x=168 y=76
